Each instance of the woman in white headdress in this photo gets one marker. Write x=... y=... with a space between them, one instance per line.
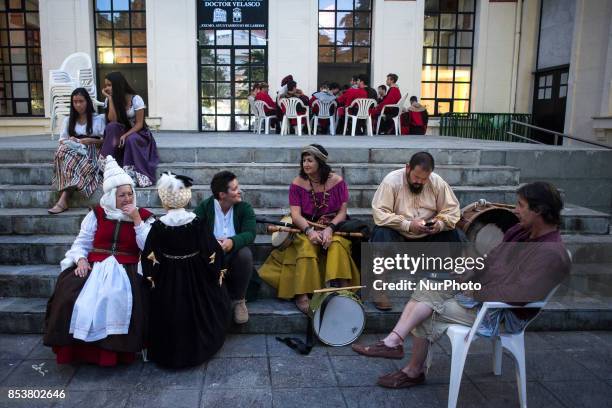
x=190 y=307
x=97 y=312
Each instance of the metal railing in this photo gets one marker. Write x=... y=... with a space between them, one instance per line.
x=527 y=128
x=487 y=126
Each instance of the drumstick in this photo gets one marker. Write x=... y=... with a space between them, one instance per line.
x=274 y=228
x=336 y=289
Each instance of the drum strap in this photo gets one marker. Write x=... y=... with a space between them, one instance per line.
x=299 y=345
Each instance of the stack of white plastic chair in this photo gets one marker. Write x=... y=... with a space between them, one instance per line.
x=76 y=71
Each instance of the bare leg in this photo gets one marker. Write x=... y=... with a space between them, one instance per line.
x=62 y=203
x=413 y=314
x=416 y=365
x=302 y=302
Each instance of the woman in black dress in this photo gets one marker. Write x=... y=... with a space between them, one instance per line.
x=190 y=307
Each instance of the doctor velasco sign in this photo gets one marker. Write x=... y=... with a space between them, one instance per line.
x=233 y=14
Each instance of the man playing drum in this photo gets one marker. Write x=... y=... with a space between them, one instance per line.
x=514 y=272
x=414 y=204
x=233 y=224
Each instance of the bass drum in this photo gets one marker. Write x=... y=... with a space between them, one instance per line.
x=485 y=223
x=338 y=317
x=283 y=239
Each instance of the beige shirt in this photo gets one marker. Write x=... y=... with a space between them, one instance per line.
x=394 y=205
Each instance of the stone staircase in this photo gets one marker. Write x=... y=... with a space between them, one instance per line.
x=33 y=242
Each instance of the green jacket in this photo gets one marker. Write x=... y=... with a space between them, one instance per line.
x=244 y=221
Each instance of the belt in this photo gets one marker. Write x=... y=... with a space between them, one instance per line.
x=181 y=256
x=111 y=252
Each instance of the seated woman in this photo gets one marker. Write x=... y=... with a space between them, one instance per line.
x=97 y=311
x=127 y=136
x=76 y=159
x=181 y=256
x=315 y=257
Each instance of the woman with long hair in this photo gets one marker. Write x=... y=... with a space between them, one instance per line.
x=76 y=164
x=315 y=257
x=127 y=136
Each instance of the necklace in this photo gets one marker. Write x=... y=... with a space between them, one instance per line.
x=318 y=205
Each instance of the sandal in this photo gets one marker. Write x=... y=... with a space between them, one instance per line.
x=303 y=304
x=57 y=209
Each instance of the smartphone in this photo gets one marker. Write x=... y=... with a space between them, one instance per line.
x=430 y=223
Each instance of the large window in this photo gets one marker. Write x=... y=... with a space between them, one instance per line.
x=121 y=41
x=344 y=39
x=447 y=55
x=20 y=63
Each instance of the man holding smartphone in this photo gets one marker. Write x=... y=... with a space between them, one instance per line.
x=414 y=204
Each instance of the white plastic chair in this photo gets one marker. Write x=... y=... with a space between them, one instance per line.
x=75 y=62
x=261 y=118
x=363 y=112
x=396 y=119
x=291 y=105
x=325 y=112
x=461 y=338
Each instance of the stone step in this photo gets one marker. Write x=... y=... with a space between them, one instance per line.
x=32 y=221
x=281 y=173
x=50 y=249
x=262 y=196
x=26 y=315
x=351 y=151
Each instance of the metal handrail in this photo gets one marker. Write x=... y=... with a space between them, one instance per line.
x=557 y=134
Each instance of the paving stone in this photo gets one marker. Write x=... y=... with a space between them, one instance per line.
x=250 y=372
x=360 y=370
x=505 y=394
x=154 y=377
x=6 y=402
x=243 y=345
x=255 y=397
x=95 y=399
x=301 y=372
x=40 y=374
x=581 y=393
x=41 y=352
x=597 y=361
x=93 y=377
x=13 y=346
x=164 y=397
x=573 y=341
x=308 y=398
x=7 y=366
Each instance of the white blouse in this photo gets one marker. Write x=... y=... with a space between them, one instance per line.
x=137 y=104
x=83 y=244
x=97 y=127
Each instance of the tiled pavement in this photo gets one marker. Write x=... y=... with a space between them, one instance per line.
x=564 y=369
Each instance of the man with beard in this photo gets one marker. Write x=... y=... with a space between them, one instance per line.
x=414 y=205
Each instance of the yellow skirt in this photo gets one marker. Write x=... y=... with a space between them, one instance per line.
x=304 y=267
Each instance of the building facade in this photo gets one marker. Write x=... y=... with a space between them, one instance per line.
x=194 y=61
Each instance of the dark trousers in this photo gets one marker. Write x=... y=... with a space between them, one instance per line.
x=239 y=269
x=385 y=234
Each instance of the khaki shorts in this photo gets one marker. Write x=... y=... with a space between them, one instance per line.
x=447 y=311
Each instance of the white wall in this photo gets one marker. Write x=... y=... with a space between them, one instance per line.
x=397 y=38
x=66 y=27
x=292 y=43
x=172 y=66
x=493 y=56
x=527 y=56
x=557 y=25
x=587 y=76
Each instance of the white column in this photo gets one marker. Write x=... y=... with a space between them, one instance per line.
x=493 y=56
x=397 y=43
x=292 y=43
x=172 y=66
x=66 y=27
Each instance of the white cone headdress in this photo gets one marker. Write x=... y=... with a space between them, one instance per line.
x=114 y=176
x=174 y=190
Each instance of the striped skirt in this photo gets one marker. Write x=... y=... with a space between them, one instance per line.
x=75 y=170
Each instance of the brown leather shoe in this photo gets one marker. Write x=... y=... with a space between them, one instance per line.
x=379 y=349
x=400 y=379
x=381 y=302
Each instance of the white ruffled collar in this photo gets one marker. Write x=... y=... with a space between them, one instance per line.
x=177 y=217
